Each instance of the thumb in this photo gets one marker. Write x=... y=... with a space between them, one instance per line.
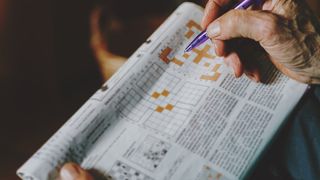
x=256 y=25
x=72 y=171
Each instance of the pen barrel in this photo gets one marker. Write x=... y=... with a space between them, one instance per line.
x=245 y=4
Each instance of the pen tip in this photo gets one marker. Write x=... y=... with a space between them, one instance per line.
x=188 y=49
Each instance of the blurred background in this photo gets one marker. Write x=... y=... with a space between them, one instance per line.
x=54 y=54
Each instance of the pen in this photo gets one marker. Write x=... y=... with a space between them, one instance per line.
x=202 y=37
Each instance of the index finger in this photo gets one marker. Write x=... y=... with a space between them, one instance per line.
x=212 y=10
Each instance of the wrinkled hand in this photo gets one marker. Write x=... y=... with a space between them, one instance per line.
x=286 y=30
x=72 y=171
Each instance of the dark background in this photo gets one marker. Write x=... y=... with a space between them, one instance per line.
x=47 y=72
x=47 y=68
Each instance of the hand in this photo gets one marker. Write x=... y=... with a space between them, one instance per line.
x=286 y=30
x=72 y=171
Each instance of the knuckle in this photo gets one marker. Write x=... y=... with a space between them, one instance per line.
x=233 y=21
x=269 y=26
x=233 y=18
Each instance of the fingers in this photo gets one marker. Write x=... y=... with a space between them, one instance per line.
x=242 y=55
x=256 y=25
x=219 y=47
x=234 y=62
x=211 y=11
x=72 y=171
x=260 y=26
x=253 y=74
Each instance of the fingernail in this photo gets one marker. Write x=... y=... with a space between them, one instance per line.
x=69 y=173
x=214 y=29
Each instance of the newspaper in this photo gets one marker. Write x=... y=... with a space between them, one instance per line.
x=167 y=115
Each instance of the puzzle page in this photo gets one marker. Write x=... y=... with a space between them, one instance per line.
x=168 y=115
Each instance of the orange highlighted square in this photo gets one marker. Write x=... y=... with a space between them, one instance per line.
x=203 y=53
x=206 y=64
x=189 y=34
x=192 y=23
x=186 y=56
x=215 y=77
x=165 y=93
x=155 y=95
x=164 y=55
x=159 y=109
x=216 y=67
x=177 y=62
x=169 y=107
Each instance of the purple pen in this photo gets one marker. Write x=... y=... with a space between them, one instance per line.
x=202 y=37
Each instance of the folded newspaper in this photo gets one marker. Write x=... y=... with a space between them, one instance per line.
x=167 y=114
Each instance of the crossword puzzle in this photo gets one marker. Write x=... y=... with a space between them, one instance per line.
x=161 y=101
x=201 y=62
x=192 y=25
x=150 y=153
x=192 y=93
x=167 y=121
x=156 y=74
x=122 y=171
x=167 y=117
x=134 y=106
x=130 y=107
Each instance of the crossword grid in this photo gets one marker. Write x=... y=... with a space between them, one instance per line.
x=192 y=27
x=162 y=102
x=155 y=74
x=167 y=122
x=150 y=153
x=192 y=93
x=201 y=63
x=166 y=118
x=131 y=105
